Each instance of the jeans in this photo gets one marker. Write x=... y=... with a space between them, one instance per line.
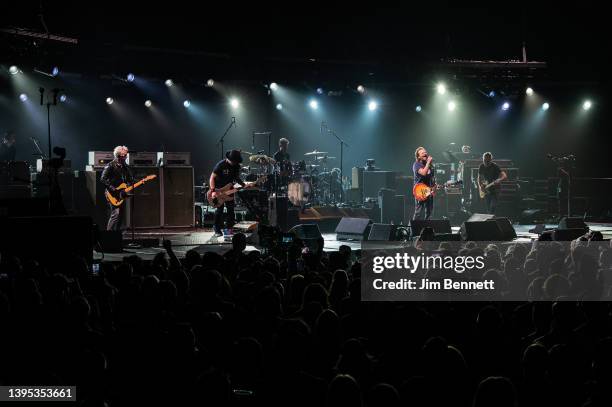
x=231 y=219
x=491 y=202
x=117 y=219
x=423 y=208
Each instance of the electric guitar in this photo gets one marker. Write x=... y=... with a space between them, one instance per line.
x=227 y=192
x=114 y=198
x=423 y=192
x=484 y=189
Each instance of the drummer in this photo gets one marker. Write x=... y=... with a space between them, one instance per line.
x=283 y=151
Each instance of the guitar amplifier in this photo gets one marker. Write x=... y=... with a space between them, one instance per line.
x=178 y=196
x=99 y=158
x=142 y=159
x=174 y=158
x=145 y=207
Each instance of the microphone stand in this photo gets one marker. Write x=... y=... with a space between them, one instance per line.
x=342 y=145
x=221 y=140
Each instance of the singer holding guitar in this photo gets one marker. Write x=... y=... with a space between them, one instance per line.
x=423 y=173
x=114 y=174
x=227 y=171
x=489 y=178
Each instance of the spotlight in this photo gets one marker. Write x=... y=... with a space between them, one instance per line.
x=529 y=91
x=169 y=82
x=361 y=89
x=13 y=70
x=63 y=98
x=451 y=106
x=148 y=103
x=55 y=71
x=506 y=106
x=109 y=101
x=279 y=107
x=587 y=105
x=23 y=97
x=492 y=94
x=234 y=103
x=186 y=103
x=418 y=109
x=273 y=86
x=320 y=91
x=545 y=106
x=441 y=88
x=372 y=106
x=314 y=105
x=210 y=83
x=130 y=77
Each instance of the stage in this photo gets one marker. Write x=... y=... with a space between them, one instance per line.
x=203 y=240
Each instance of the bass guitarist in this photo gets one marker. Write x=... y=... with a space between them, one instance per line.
x=114 y=174
x=489 y=178
x=226 y=171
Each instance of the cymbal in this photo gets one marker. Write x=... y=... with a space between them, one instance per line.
x=245 y=152
x=262 y=159
x=315 y=152
x=325 y=158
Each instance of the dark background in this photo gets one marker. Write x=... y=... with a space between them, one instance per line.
x=395 y=52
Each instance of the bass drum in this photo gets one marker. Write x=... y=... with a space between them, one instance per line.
x=299 y=191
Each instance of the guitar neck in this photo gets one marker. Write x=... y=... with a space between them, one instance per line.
x=139 y=183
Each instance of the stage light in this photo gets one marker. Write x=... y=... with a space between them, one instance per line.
x=492 y=94
x=418 y=109
x=545 y=106
x=314 y=105
x=63 y=98
x=23 y=97
x=279 y=107
x=506 y=106
x=148 y=103
x=55 y=71
x=273 y=86
x=109 y=101
x=529 y=91
x=13 y=70
x=372 y=105
x=130 y=77
x=235 y=103
x=441 y=88
x=361 y=89
x=169 y=82
x=587 y=105
x=320 y=91
x=452 y=106
x=186 y=103
x=210 y=83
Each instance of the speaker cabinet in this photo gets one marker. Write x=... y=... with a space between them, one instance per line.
x=178 y=197
x=481 y=231
x=438 y=225
x=146 y=203
x=382 y=232
x=572 y=223
x=353 y=229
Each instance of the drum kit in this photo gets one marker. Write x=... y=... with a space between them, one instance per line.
x=305 y=182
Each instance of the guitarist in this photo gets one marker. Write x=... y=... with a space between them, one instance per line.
x=114 y=174
x=423 y=172
x=489 y=178
x=225 y=172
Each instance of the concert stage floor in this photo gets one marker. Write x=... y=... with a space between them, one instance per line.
x=202 y=240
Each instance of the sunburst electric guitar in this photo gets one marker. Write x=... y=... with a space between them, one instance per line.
x=115 y=199
x=423 y=192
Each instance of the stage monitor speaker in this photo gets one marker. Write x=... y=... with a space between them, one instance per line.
x=447 y=237
x=565 y=235
x=481 y=231
x=382 y=232
x=146 y=203
x=438 y=225
x=46 y=238
x=277 y=212
x=353 y=229
x=480 y=217
x=306 y=231
x=373 y=181
x=505 y=226
x=178 y=197
x=533 y=216
x=572 y=223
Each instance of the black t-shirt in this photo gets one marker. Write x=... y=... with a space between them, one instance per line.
x=426 y=179
x=489 y=172
x=226 y=173
x=279 y=156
